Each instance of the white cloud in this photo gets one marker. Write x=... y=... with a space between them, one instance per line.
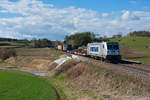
x=127 y=15
x=44 y=20
x=142 y=13
x=105 y=14
x=146 y=7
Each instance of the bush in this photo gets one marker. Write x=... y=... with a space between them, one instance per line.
x=7 y=53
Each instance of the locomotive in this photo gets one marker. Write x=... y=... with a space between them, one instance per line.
x=104 y=50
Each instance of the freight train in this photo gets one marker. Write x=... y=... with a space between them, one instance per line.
x=103 y=50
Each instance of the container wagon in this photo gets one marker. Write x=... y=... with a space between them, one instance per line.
x=64 y=47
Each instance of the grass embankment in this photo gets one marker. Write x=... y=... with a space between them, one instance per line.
x=135 y=48
x=60 y=79
x=70 y=92
x=86 y=81
x=21 y=86
x=59 y=84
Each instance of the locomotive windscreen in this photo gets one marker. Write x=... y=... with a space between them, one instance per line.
x=112 y=46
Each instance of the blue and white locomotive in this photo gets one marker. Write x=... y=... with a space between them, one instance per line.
x=104 y=50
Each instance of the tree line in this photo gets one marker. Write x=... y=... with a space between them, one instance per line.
x=40 y=43
x=140 y=33
x=82 y=39
x=76 y=40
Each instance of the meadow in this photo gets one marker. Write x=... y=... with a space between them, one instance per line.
x=135 y=48
x=16 y=85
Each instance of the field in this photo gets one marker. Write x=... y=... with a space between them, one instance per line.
x=11 y=44
x=31 y=88
x=21 y=86
x=26 y=55
x=135 y=48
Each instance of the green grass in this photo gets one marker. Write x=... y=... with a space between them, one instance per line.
x=140 y=46
x=12 y=43
x=21 y=86
x=136 y=43
x=59 y=83
x=143 y=60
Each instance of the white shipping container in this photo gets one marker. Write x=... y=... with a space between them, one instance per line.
x=59 y=47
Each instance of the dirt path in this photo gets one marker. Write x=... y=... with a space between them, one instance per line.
x=36 y=73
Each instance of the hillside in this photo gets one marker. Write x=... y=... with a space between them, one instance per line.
x=135 y=48
x=87 y=81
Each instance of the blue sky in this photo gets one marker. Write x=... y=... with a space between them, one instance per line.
x=103 y=5
x=53 y=19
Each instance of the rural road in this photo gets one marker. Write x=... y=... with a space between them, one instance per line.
x=37 y=73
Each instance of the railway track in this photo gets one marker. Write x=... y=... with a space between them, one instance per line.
x=124 y=67
x=135 y=70
x=140 y=70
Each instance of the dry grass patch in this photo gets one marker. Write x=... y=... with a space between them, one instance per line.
x=89 y=78
x=76 y=71
x=11 y=60
x=39 y=64
x=66 y=66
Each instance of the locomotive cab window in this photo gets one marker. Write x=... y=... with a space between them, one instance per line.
x=113 y=46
